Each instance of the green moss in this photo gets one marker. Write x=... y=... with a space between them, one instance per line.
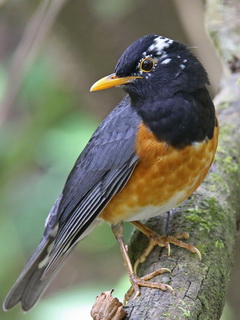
x=166 y=314
x=223 y=105
x=227 y=161
x=220 y=149
x=229 y=165
x=207 y=216
x=218 y=182
x=225 y=132
x=186 y=313
x=219 y=244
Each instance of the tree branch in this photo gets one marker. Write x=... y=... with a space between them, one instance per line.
x=209 y=216
x=33 y=37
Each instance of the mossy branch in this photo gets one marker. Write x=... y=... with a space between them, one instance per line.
x=209 y=216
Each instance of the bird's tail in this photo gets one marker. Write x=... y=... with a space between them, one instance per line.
x=30 y=284
x=36 y=277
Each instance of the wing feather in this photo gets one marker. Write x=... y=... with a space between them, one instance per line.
x=92 y=205
x=102 y=169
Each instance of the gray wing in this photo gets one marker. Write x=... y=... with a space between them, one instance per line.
x=101 y=171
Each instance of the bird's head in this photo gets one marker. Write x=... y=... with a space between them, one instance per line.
x=155 y=63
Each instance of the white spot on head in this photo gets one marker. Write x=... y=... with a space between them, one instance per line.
x=159 y=44
x=185 y=60
x=182 y=66
x=166 y=61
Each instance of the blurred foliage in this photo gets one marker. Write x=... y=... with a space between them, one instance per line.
x=113 y=9
x=52 y=119
x=228 y=314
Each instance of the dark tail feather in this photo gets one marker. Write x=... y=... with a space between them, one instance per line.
x=34 y=280
x=30 y=285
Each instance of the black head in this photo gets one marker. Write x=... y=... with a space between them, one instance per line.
x=156 y=64
x=165 y=65
x=166 y=84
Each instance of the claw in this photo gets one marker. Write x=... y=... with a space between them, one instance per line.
x=198 y=253
x=144 y=282
x=169 y=249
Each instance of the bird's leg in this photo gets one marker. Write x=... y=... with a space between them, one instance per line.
x=162 y=241
x=136 y=281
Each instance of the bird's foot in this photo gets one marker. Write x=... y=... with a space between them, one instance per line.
x=162 y=241
x=138 y=282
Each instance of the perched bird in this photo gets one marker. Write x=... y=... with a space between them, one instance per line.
x=150 y=153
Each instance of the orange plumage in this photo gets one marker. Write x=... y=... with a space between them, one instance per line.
x=163 y=178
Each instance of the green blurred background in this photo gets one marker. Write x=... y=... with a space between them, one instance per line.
x=48 y=115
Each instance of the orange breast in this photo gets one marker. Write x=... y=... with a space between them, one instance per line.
x=163 y=178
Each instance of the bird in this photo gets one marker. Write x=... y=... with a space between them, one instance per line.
x=148 y=155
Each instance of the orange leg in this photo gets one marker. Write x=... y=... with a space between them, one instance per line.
x=162 y=241
x=136 y=281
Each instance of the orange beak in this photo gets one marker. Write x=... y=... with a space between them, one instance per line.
x=111 y=81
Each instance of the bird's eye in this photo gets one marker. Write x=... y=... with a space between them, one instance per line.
x=147 y=64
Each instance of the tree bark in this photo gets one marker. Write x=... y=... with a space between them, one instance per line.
x=209 y=215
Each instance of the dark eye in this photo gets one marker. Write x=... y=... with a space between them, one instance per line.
x=147 y=64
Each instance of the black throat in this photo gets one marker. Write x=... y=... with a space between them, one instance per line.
x=179 y=120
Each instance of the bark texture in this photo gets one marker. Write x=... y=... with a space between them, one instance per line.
x=210 y=214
